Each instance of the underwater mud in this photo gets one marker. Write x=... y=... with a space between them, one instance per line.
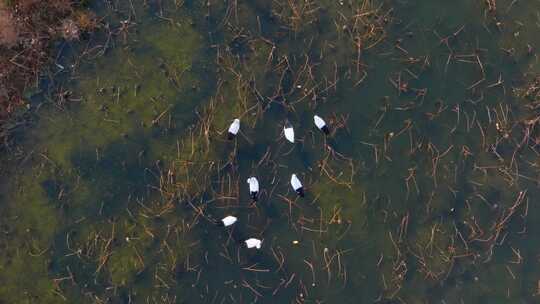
x=423 y=192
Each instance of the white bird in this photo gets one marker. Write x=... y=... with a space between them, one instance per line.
x=253 y=243
x=234 y=128
x=297 y=185
x=321 y=124
x=227 y=221
x=289 y=132
x=253 y=187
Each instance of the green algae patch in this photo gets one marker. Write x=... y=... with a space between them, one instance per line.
x=340 y=206
x=34 y=217
x=123 y=266
x=179 y=43
x=133 y=87
x=25 y=278
x=36 y=211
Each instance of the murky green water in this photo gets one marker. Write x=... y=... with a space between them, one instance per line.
x=425 y=192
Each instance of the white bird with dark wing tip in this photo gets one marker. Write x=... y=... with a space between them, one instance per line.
x=253 y=243
x=297 y=185
x=227 y=221
x=253 y=188
x=321 y=124
x=289 y=132
x=234 y=128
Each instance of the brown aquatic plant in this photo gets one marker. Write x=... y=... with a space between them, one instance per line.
x=27 y=28
x=70 y=30
x=87 y=21
x=9 y=33
x=63 y=6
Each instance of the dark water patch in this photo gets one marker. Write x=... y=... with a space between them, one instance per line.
x=118 y=170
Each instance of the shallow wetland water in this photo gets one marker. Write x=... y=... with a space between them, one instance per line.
x=424 y=192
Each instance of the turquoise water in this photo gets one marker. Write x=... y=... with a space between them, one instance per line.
x=423 y=193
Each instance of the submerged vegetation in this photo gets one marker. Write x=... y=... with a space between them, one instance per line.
x=423 y=192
